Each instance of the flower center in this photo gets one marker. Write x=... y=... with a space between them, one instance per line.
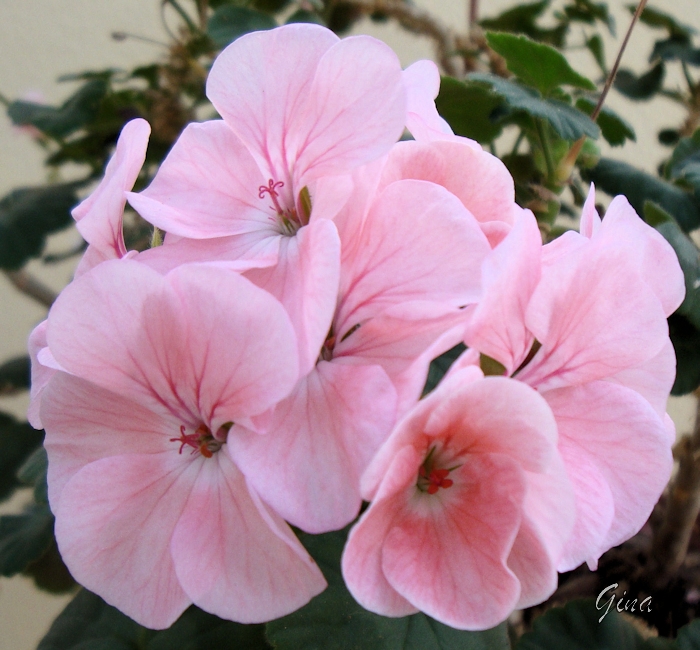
x=432 y=477
x=202 y=440
x=288 y=218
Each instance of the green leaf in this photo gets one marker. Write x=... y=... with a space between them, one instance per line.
x=229 y=22
x=88 y=623
x=271 y=6
x=643 y=87
x=334 y=621
x=27 y=216
x=684 y=161
x=659 y=19
x=686 y=342
x=15 y=375
x=616 y=177
x=468 y=108
x=577 y=627
x=60 y=122
x=567 y=121
x=522 y=19
x=597 y=49
x=676 y=49
x=688 y=257
x=440 y=365
x=305 y=16
x=536 y=64
x=588 y=12
x=33 y=472
x=615 y=129
x=689 y=636
x=17 y=441
x=24 y=538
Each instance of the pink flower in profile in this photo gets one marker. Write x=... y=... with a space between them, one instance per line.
x=150 y=514
x=583 y=320
x=470 y=507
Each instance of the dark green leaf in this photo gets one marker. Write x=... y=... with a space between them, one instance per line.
x=17 y=441
x=567 y=121
x=577 y=627
x=642 y=87
x=305 y=16
x=596 y=48
x=440 y=365
x=676 y=49
x=88 y=623
x=229 y=22
x=522 y=19
x=33 y=472
x=686 y=343
x=15 y=375
x=684 y=161
x=334 y=621
x=669 y=137
x=59 y=122
x=467 y=108
x=615 y=129
x=271 y=6
x=616 y=177
x=655 y=18
x=689 y=636
x=50 y=573
x=24 y=538
x=536 y=64
x=27 y=216
x=588 y=12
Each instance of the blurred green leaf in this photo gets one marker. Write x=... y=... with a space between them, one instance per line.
x=88 y=623
x=536 y=64
x=60 y=122
x=686 y=342
x=334 y=621
x=616 y=177
x=615 y=129
x=271 y=6
x=229 y=22
x=676 y=49
x=577 y=627
x=24 y=538
x=467 y=108
x=597 y=49
x=522 y=19
x=684 y=163
x=642 y=87
x=688 y=256
x=28 y=215
x=660 y=19
x=567 y=121
x=305 y=16
x=15 y=375
x=669 y=137
x=588 y=12
x=17 y=441
x=440 y=365
x=33 y=473
x=689 y=636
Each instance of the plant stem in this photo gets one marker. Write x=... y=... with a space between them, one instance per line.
x=183 y=14
x=688 y=78
x=473 y=13
x=544 y=141
x=31 y=287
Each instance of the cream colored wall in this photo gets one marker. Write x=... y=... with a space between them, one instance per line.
x=41 y=39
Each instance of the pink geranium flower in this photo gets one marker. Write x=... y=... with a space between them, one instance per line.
x=149 y=513
x=594 y=307
x=470 y=507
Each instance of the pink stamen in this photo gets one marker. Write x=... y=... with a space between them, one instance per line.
x=271 y=189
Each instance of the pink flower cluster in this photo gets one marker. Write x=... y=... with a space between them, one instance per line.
x=264 y=366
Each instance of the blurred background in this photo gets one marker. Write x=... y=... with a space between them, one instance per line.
x=43 y=39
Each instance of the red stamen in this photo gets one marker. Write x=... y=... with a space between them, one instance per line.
x=271 y=189
x=191 y=439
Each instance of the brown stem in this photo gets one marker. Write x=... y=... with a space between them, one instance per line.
x=473 y=13
x=671 y=540
x=417 y=21
x=31 y=287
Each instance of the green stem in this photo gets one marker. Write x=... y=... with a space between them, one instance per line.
x=183 y=14
x=518 y=140
x=544 y=141
x=688 y=78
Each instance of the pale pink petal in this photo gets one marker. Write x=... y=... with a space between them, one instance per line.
x=447 y=556
x=581 y=341
x=656 y=260
x=496 y=326
x=85 y=423
x=590 y=220
x=421 y=222
x=113 y=528
x=208 y=186
x=495 y=231
x=356 y=110
x=478 y=179
x=308 y=465
x=41 y=374
x=362 y=557
x=99 y=217
x=261 y=81
x=306 y=282
x=229 y=561
x=422 y=81
x=617 y=431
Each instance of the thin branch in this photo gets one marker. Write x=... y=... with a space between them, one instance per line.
x=473 y=13
x=671 y=540
x=32 y=287
x=417 y=21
